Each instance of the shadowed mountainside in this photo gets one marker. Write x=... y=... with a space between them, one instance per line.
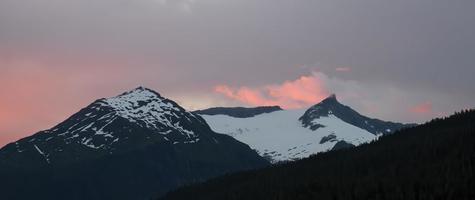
x=435 y=160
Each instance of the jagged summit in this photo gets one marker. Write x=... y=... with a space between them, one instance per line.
x=332 y=107
x=332 y=97
x=323 y=109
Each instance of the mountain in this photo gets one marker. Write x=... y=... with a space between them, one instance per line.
x=431 y=161
x=284 y=135
x=124 y=147
x=331 y=106
x=238 y=112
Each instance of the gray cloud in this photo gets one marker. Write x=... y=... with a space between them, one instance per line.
x=420 y=50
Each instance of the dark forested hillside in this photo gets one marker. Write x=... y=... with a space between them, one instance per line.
x=431 y=161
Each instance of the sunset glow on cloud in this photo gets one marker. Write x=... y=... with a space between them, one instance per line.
x=39 y=91
x=423 y=108
x=293 y=94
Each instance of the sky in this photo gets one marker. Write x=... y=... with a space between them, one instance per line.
x=405 y=60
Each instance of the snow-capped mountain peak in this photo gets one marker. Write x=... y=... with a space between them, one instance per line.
x=332 y=107
x=293 y=134
x=139 y=137
x=140 y=116
x=139 y=93
x=141 y=98
x=322 y=109
x=148 y=108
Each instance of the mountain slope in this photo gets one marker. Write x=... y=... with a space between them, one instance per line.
x=431 y=161
x=128 y=146
x=294 y=134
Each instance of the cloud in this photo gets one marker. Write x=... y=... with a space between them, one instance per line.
x=382 y=101
x=292 y=94
x=73 y=53
x=343 y=69
x=422 y=108
x=184 y=5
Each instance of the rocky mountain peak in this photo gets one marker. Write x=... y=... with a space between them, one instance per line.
x=139 y=116
x=330 y=100
x=331 y=106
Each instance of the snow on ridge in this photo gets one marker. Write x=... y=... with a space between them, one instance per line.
x=133 y=99
x=147 y=108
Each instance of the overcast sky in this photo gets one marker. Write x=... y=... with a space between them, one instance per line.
x=404 y=60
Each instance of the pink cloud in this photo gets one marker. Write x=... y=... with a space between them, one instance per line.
x=225 y=90
x=343 y=69
x=302 y=92
x=423 y=108
x=245 y=95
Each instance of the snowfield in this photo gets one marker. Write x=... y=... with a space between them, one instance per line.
x=280 y=136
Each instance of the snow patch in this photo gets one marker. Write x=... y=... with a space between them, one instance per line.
x=42 y=153
x=88 y=142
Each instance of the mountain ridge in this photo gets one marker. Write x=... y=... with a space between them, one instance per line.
x=286 y=135
x=88 y=129
x=239 y=112
x=128 y=145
